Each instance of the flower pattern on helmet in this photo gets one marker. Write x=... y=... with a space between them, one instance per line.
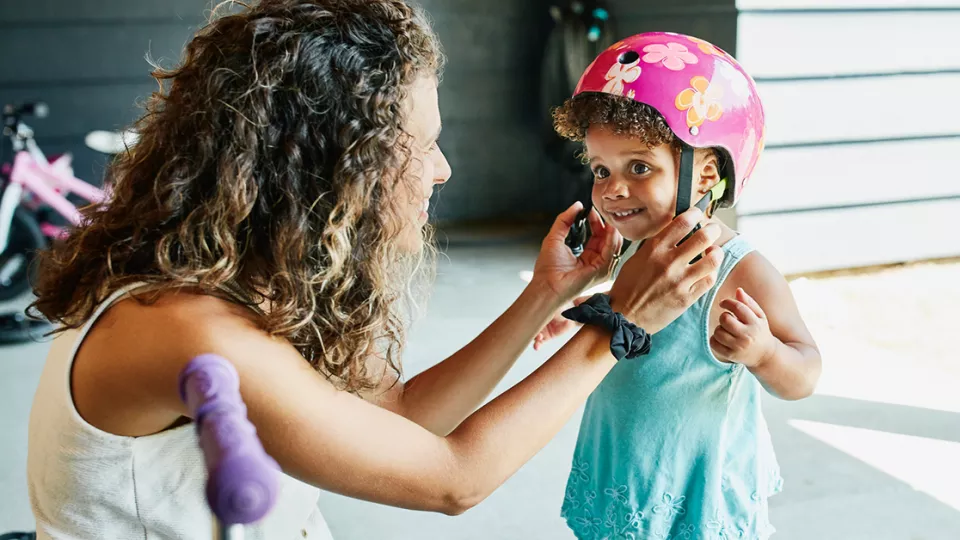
x=620 y=74
x=705 y=46
x=701 y=101
x=673 y=56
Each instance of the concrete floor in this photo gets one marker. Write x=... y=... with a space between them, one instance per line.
x=874 y=455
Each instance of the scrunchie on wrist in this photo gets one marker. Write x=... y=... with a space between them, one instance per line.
x=628 y=341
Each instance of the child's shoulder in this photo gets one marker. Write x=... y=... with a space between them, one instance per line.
x=756 y=275
x=753 y=269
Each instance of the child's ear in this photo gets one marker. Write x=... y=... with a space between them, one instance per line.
x=708 y=168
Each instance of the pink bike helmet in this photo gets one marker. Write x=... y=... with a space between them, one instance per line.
x=704 y=95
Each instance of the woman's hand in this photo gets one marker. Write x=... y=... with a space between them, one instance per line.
x=566 y=275
x=658 y=283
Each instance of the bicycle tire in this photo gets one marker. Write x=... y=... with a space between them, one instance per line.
x=25 y=239
x=17 y=328
x=19 y=536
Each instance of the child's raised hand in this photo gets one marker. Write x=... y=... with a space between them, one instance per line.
x=557 y=326
x=743 y=335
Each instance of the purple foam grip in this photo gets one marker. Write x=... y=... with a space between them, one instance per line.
x=242 y=485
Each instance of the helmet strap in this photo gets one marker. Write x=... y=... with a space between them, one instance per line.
x=685 y=180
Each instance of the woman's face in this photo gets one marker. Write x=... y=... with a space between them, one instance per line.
x=428 y=165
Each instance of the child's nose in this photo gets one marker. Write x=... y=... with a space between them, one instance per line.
x=615 y=189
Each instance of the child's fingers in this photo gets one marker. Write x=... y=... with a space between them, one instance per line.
x=730 y=323
x=725 y=338
x=720 y=350
x=740 y=310
x=750 y=302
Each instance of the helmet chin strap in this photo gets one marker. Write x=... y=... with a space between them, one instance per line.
x=685 y=189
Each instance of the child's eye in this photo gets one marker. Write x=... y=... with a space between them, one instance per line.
x=600 y=173
x=639 y=168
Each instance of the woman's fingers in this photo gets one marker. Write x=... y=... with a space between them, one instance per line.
x=702 y=275
x=681 y=226
x=563 y=223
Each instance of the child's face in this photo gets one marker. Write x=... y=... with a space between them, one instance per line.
x=634 y=186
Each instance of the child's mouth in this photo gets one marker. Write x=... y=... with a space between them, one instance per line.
x=625 y=215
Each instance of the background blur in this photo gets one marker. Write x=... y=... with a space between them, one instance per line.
x=854 y=199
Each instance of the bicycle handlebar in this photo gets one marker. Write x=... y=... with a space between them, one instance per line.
x=242 y=485
x=38 y=109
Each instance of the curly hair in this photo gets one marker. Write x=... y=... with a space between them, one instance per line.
x=263 y=168
x=625 y=116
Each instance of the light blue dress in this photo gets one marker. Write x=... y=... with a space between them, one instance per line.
x=673 y=445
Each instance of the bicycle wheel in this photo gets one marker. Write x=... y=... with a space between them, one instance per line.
x=15 y=262
x=16 y=328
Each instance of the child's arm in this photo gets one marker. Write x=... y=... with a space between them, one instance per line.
x=764 y=331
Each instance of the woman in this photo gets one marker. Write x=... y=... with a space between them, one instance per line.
x=274 y=212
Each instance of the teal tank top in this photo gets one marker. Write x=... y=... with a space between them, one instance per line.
x=673 y=445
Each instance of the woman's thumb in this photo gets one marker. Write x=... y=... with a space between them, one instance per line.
x=563 y=223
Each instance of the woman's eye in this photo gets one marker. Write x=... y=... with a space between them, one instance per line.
x=639 y=168
x=601 y=173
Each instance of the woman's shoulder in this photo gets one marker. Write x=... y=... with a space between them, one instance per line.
x=124 y=375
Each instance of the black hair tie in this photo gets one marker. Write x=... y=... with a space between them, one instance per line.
x=629 y=341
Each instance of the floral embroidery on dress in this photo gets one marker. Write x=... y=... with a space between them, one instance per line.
x=578 y=472
x=589 y=522
x=570 y=498
x=719 y=527
x=671 y=506
x=620 y=494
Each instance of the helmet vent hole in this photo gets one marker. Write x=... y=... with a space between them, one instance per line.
x=629 y=57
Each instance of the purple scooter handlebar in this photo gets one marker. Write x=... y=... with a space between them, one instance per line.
x=243 y=483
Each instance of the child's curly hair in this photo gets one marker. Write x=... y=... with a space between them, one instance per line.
x=624 y=116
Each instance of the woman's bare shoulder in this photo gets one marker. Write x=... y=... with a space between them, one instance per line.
x=124 y=377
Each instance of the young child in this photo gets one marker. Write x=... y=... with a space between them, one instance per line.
x=673 y=445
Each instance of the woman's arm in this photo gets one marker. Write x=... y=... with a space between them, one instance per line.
x=442 y=396
x=340 y=442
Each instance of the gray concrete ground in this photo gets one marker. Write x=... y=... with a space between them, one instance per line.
x=874 y=455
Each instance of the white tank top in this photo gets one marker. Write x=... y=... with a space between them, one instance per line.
x=85 y=483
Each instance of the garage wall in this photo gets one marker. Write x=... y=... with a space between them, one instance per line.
x=86 y=60
x=860 y=139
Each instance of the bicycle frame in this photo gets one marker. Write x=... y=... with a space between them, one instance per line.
x=49 y=182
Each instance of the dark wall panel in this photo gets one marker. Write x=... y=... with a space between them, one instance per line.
x=87 y=61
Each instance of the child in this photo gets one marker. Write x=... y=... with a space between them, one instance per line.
x=674 y=445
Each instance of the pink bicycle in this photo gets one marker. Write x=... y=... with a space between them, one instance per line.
x=31 y=185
